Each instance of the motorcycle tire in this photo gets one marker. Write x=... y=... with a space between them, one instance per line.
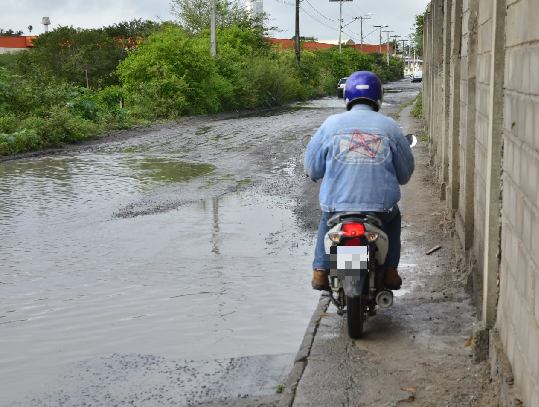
x=355 y=315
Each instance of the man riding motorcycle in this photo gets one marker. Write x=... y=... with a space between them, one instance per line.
x=362 y=157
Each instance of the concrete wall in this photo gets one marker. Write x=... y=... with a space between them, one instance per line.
x=481 y=104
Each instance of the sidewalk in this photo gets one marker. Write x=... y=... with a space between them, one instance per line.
x=413 y=353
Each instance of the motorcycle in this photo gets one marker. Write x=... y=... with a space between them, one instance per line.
x=357 y=246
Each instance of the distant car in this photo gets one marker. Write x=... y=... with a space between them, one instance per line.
x=417 y=76
x=340 y=87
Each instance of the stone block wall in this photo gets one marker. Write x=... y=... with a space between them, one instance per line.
x=518 y=309
x=481 y=103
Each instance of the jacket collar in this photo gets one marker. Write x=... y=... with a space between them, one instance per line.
x=362 y=107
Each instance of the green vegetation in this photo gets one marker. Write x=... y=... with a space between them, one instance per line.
x=76 y=84
x=280 y=388
x=398 y=113
x=10 y=33
x=417 y=35
x=417 y=110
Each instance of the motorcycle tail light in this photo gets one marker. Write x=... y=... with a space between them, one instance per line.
x=372 y=237
x=353 y=242
x=353 y=229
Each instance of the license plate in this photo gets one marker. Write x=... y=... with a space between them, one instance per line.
x=348 y=261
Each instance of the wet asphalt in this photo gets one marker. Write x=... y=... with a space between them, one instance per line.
x=162 y=265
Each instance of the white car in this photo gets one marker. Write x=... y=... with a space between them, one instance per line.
x=340 y=87
x=417 y=76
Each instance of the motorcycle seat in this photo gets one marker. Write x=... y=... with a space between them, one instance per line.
x=362 y=217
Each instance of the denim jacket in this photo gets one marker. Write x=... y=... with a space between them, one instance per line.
x=362 y=156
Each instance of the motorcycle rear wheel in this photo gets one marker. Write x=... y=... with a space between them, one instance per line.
x=355 y=315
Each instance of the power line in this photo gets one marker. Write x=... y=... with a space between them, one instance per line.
x=363 y=12
x=317 y=20
x=351 y=31
x=318 y=11
x=285 y=2
x=376 y=29
x=355 y=39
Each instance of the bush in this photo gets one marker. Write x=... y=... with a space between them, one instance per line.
x=417 y=110
x=60 y=126
x=169 y=74
x=18 y=142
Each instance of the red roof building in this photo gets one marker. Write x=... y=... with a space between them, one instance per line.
x=15 y=43
x=314 y=46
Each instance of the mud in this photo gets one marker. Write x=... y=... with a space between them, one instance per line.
x=183 y=241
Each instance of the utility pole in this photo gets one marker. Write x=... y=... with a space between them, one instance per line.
x=340 y=24
x=403 y=41
x=395 y=42
x=212 y=29
x=380 y=27
x=340 y=20
x=387 y=46
x=363 y=18
x=296 y=42
x=403 y=49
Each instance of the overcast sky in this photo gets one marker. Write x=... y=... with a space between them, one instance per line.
x=318 y=18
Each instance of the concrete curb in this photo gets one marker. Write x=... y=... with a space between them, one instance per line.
x=300 y=362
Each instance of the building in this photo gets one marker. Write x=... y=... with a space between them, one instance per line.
x=255 y=7
x=15 y=43
x=314 y=46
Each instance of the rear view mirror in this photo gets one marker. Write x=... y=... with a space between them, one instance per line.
x=306 y=140
x=411 y=139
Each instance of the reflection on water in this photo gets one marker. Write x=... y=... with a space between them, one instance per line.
x=200 y=282
x=59 y=188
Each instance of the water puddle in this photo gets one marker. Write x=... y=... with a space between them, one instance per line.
x=225 y=277
x=56 y=189
x=400 y=293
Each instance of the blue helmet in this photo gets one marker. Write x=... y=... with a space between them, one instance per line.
x=363 y=85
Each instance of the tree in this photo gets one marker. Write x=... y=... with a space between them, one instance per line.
x=173 y=72
x=132 y=32
x=10 y=33
x=305 y=39
x=194 y=15
x=417 y=35
x=79 y=56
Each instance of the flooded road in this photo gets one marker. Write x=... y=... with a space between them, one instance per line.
x=187 y=241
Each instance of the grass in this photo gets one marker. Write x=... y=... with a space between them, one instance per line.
x=417 y=110
x=398 y=114
x=279 y=389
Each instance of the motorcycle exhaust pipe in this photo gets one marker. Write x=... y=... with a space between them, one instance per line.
x=384 y=299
